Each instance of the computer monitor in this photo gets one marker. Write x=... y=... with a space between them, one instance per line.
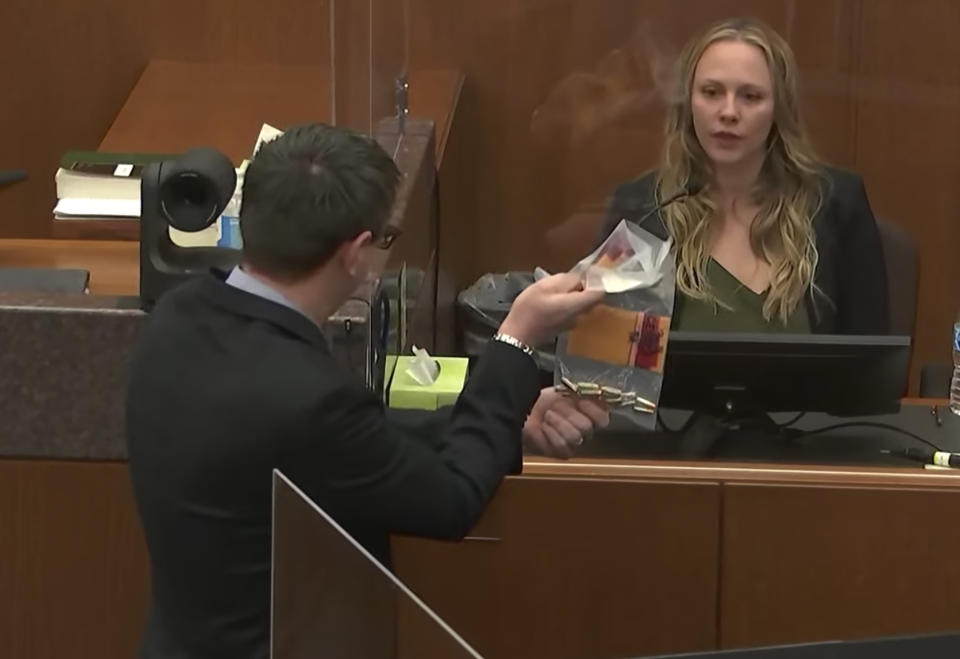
x=733 y=382
x=732 y=374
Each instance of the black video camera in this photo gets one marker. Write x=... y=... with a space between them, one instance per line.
x=188 y=193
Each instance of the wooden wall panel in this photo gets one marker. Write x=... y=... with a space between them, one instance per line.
x=351 y=98
x=824 y=35
x=805 y=564
x=908 y=146
x=456 y=580
x=69 y=66
x=564 y=100
x=157 y=116
x=572 y=568
x=388 y=55
x=73 y=565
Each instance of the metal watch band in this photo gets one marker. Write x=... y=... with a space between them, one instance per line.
x=516 y=343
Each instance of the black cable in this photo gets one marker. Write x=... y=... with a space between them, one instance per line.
x=791 y=421
x=13 y=176
x=668 y=429
x=781 y=426
x=867 y=424
x=800 y=434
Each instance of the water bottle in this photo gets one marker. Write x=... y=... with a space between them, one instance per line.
x=955 y=380
x=230 y=221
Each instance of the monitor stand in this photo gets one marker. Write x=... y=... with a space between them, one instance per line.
x=703 y=432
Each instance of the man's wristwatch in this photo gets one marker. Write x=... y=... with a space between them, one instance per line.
x=516 y=343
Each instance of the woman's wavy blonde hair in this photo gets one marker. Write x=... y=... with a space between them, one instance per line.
x=789 y=189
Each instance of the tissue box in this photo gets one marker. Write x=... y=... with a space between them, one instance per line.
x=405 y=393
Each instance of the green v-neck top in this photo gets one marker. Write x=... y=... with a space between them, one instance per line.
x=745 y=312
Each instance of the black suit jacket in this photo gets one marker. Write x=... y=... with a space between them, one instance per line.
x=224 y=387
x=851 y=279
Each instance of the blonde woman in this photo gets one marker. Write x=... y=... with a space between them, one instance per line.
x=770 y=240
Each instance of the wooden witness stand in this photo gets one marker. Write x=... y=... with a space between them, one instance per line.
x=617 y=558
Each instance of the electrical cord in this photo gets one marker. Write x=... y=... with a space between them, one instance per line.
x=802 y=434
x=674 y=431
x=791 y=421
x=13 y=176
x=866 y=424
x=666 y=428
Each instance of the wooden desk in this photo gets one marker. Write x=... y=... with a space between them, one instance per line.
x=618 y=558
x=585 y=558
x=176 y=106
x=114 y=266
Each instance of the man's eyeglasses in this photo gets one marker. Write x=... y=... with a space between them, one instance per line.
x=384 y=239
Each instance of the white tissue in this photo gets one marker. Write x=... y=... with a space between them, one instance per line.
x=423 y=368
x=642 y=269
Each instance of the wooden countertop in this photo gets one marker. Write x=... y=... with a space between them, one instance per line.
x=114 y=265
x=739 y=472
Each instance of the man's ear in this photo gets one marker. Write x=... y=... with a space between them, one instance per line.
x=349 y=253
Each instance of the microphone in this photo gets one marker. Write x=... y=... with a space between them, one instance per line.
x=13 y=176
x=691 y=190
x=938 y=458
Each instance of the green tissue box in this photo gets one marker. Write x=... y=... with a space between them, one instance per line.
x=405 y=393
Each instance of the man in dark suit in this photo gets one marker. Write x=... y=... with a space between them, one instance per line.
x=233 y=378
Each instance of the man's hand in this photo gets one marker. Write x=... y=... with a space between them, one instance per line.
x=558 y=423
x=548 y=307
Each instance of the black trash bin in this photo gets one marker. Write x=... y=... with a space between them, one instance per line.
x=484 y=305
